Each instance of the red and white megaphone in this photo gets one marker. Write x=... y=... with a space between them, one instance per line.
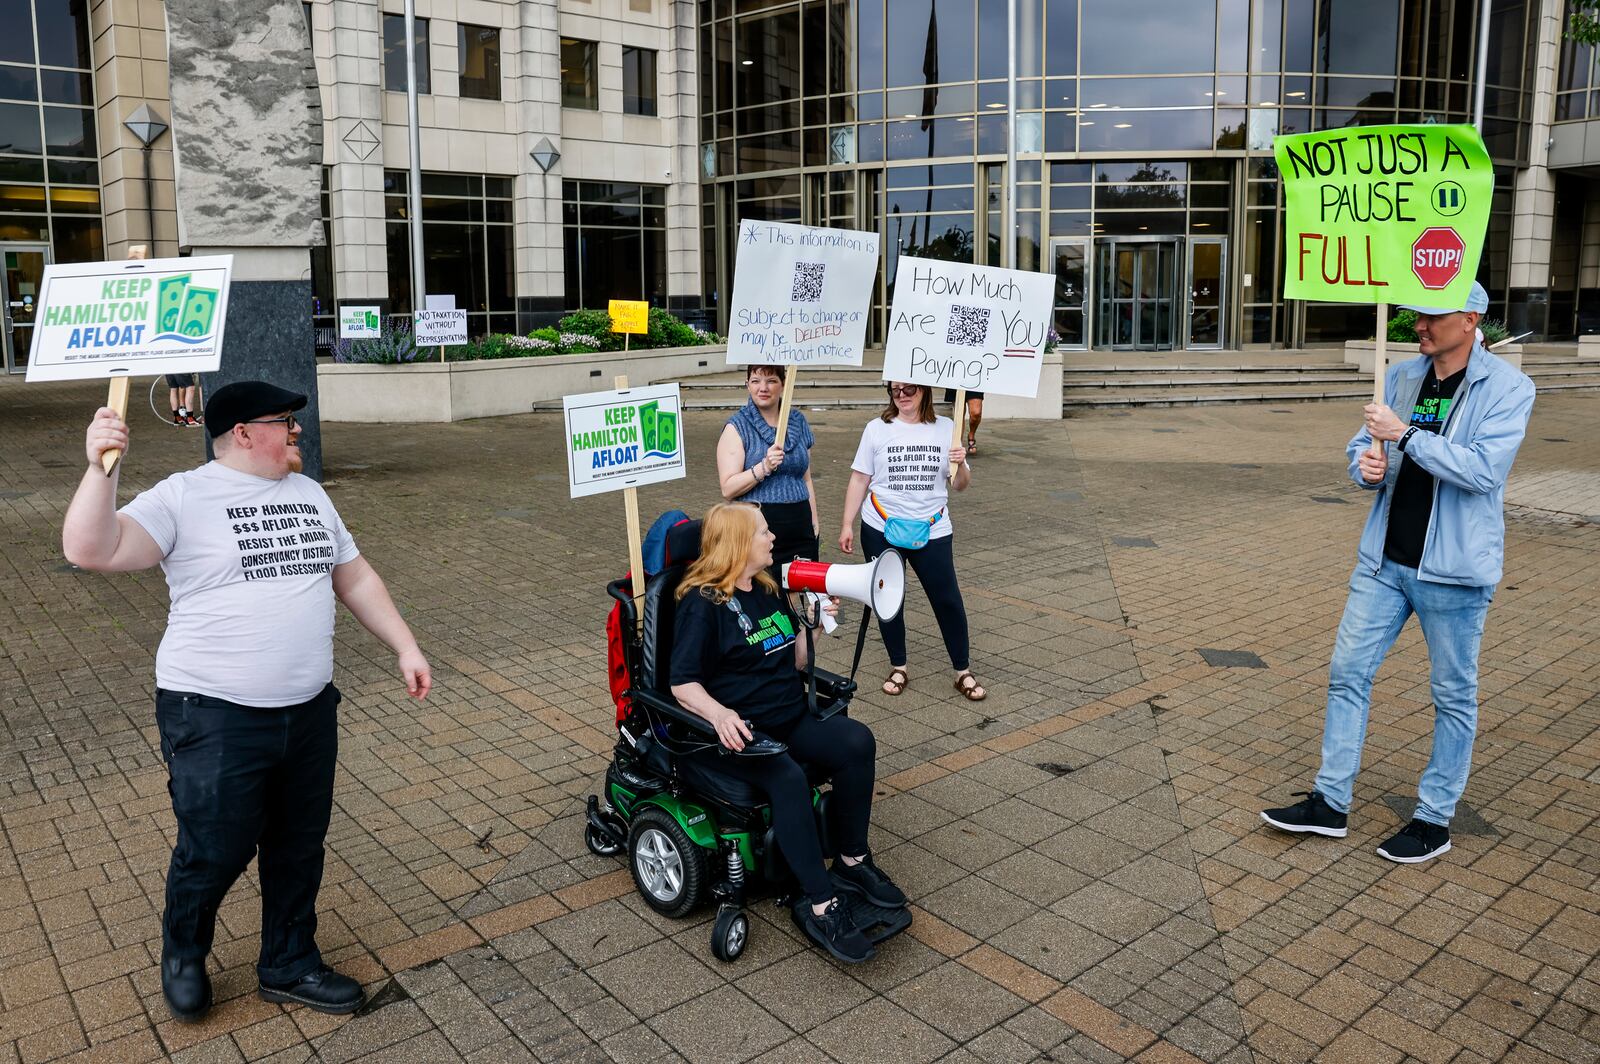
x=880 y=583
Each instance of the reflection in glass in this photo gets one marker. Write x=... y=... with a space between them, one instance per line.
x=580 y=84
x=69 y=131
x=63 y=30
x=918 y=53
x=1146 y=130
x=18 y=83
x=478 y=49
x=1174 y=37
x=638 y=81
x=768 y=57
x=16 y=47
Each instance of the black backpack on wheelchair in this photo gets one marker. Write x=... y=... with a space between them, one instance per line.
x=689 y=832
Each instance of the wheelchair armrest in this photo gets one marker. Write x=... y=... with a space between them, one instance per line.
x=832 y=685
x=622 y=592
x=669 y=707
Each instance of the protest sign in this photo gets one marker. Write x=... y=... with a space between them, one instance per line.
x=360 y=323
x=629 y=315
x=1384 y=214
x=623 y=439
x=435 y=328
x=801 y=295
x=954 y=325
x=103 y=319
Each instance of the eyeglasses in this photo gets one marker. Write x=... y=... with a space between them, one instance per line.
x=287 y=421
x=905 y=389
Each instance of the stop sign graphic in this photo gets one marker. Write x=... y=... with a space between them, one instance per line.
x=1436 y=256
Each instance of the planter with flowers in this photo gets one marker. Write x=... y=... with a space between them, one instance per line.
x=391 y=379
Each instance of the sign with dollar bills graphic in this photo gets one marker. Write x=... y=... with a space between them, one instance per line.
x=104 y=319
x=623 y=439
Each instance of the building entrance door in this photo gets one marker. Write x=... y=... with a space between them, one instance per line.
x=1071 y=263
x=19 y=294
x=1136 y=294
x=1208 y=272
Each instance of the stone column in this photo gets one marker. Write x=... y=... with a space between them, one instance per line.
x=539 y=240
x=349 y=52
x=680 y=109
x=247 y=135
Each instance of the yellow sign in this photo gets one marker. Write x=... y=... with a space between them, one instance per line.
x=629 y=316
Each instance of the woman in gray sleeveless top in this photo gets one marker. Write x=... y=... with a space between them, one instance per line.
x=751 y=468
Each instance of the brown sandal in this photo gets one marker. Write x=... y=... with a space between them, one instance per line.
x=969 y=687
x=892 y=686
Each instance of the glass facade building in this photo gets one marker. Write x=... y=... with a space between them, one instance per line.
x=1145 y=179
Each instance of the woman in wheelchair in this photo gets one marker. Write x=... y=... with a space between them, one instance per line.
x=736 y=663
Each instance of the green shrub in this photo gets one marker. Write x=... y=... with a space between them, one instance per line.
x=1403 y=328
x=582 y=332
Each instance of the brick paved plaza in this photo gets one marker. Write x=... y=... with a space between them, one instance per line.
x=1090 y=878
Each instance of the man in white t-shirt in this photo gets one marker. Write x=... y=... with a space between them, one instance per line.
x=254 y=554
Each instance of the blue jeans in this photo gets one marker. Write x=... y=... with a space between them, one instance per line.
x=1451 y=616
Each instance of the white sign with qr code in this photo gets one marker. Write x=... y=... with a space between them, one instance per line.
x=954 y=325
x=801 y=295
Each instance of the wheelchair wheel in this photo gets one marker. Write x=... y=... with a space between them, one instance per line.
x=730 y=934
x=598 y=845
x=668 y=868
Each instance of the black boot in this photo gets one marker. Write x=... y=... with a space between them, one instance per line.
x=186 y=987
x=321 y=988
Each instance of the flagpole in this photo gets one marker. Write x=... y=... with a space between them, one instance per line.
x=414 y=185
x=1479 y=89
x=1010 y=242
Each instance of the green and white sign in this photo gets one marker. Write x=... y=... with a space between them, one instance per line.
x=623 y=439
x=1384 y=214
x=360 y=323
x=144 y=316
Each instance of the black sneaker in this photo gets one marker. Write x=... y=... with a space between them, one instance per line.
x=321 y=988
x=866 y=880
x=1314 y=816
x=1418 y=841
x=835 y=931
x=186 y=987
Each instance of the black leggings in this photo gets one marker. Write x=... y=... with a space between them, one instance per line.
x=847 y=750
x=935 y=567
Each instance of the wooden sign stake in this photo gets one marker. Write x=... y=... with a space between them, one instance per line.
x=116 y=399
x=1380 y=365
x=959 y=416
x=788 y=401
x=630 y=502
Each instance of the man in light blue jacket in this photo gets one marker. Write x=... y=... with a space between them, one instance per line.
x=1433 y=546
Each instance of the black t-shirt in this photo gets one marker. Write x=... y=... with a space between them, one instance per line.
x=1412 y=505
x=742 y=652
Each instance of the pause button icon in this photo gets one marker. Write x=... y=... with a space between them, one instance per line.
x=1448 y=198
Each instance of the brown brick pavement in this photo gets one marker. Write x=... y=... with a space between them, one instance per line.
x=1083 y=849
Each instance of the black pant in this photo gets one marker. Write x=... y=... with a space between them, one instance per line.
x=847 y=750
x=794 y=535
x=248 y=782
x=935 y=567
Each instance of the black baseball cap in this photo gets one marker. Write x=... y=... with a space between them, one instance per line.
x=234 y=404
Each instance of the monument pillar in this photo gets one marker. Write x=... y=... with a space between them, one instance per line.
x=247 y=144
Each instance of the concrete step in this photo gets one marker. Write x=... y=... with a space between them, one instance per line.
x=1231 y=394
x=1071 y=370
x=1126 y=380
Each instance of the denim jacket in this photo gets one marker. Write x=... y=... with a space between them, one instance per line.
x=1470 y=461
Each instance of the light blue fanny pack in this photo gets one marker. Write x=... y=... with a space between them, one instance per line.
x=907 y=533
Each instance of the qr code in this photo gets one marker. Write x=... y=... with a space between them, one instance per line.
x=968 y=326
x=807 y=286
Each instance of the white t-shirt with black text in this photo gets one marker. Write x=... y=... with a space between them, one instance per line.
x=909 y=468
x=248 y=562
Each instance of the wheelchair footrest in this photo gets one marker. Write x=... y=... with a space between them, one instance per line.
x=876 y=923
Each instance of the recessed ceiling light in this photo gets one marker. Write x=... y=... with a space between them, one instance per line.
x=1294 y=94
x=1085 y=122
x=1123 y=125
x=747 y=62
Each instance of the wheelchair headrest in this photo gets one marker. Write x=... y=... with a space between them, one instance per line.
x=683 y=543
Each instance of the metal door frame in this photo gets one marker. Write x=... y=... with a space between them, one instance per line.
x=1222 y=294
x=1178 y=301
x=1087 y=243
x=8 y=359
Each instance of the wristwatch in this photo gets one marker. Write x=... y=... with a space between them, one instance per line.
x=1405 y=438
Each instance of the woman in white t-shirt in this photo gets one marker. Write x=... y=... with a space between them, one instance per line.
x=901 y=474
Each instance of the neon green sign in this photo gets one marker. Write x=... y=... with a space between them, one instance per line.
x=1384 y=214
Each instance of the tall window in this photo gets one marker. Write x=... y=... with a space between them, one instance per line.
x=394 y=55
x=580 y=81
x=638 y=81
x=616 y=242
x=467 y=246
x=49 y=154
x=322 y=299
x=479 y=51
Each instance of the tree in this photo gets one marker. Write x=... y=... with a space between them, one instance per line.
x=1583 y=21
